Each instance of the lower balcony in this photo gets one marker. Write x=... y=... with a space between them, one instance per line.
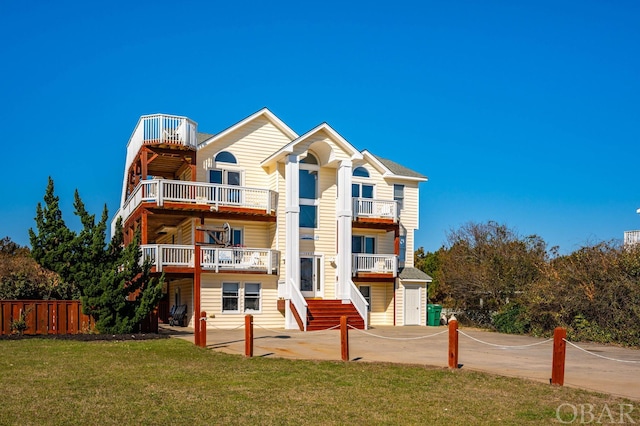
x=375 y=265
x=212 y=259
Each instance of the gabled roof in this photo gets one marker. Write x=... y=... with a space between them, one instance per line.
x=413 y=274
x=263 y=113
x=335 y=136
x=392 y=169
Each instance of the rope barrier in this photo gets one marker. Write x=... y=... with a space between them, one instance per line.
x=275 y=331
x=504 y=346
x=397 y=338
x=224 y=329
x=324 y=329
x=601 y=356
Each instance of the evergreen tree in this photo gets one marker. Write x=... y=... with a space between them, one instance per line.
x=125 y=292
x=113 y=285
x=52 y=245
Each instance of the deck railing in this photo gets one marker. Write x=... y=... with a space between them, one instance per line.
x=211 y=258
x=375 y=209
x=160 y=191
x=631 y=237
x=375 y=263
x=164 y=129
x=360 y=303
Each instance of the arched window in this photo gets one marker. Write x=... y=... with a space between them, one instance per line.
x=309 y=191
x=361 y=172
x=226 y=157
x=360 y=189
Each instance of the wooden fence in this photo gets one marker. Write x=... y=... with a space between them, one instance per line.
x=56 y=317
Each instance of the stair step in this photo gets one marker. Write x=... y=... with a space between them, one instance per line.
x=324 y=314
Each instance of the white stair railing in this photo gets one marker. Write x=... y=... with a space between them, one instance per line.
x=295 y=297
x=360 y=303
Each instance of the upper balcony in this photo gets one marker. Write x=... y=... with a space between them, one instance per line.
x=375 y=211
x=199 y=195
x=631 y=237
x=162 y=129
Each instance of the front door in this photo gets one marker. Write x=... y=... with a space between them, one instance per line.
x=412 y=305
x=311 y=276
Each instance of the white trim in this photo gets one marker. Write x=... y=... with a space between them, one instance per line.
x=335 y=136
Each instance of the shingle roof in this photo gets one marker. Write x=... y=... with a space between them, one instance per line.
x=413 y=274
x=203 y=137
x=399 y=169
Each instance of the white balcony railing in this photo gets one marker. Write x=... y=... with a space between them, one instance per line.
x=163 y=129
x=631 y=237
x=375 y=263
x=375 y=209
x=159 y=191
x=360 y=303
x=211 y=258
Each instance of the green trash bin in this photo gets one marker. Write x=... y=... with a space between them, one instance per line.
x=433 y=314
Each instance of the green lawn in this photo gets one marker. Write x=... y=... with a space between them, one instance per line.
x=173 y=382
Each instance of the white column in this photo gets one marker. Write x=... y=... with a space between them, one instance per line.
x=344 y=217
x=292 y=230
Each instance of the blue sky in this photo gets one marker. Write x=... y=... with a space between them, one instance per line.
x=526 y=113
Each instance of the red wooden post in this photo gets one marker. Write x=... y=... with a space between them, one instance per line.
x=559 y=352
x=453 y=344
x=203 y=329
x=248 y=336
x=344 y=338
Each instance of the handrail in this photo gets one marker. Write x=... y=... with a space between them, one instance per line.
x=159 y=191
x=295 y=297
x=360 y=303
x=373 y=208
x=216 y=258
x=375 y=263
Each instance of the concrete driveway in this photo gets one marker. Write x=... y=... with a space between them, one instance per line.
x=600 y=368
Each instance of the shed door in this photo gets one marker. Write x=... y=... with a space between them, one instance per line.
x=412 y=305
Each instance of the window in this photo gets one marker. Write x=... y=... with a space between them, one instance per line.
x=362 y=244
x=360 y=190
x=308 y=176
x=398 y=195
x=365 y=290
x=251 y=297
x=230 y=294
x=226 y=157
x=224 y=177
x=360 y=172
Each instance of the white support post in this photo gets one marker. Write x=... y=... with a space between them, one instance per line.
x=344 y=217
x=292 y=234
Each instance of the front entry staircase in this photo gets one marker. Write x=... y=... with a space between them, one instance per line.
x=324 y=314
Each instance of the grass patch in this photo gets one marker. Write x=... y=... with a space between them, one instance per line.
x=171 y=381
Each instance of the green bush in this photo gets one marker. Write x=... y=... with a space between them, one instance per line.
x=512 y=319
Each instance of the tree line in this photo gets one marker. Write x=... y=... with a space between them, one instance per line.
x=115 y=288
x=493 y=277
